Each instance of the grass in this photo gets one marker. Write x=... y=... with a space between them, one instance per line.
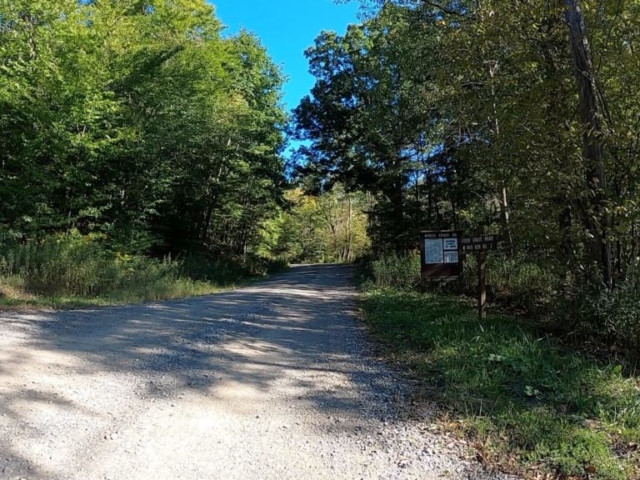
x=76 y=271
x=522 y=398
x=15 y=297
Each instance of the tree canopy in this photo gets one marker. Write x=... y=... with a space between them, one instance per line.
x=138 y=120
x=498 y=117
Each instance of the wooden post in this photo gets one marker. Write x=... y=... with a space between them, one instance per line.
x=482 y=284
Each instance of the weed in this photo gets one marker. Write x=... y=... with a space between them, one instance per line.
x=74 y=270
x=517 y=392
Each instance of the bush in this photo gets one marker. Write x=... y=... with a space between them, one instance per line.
x=81 y=266
x=75 y=266
x=594 y=310
x=515 y=281
x=205 y=268
x=399 y=271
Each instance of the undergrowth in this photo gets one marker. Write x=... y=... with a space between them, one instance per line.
x=518 y=394
x=74 y=270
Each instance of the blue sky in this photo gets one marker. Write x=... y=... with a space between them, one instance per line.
x=287 y=28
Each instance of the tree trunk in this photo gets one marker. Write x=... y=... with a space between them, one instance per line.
x=596 y=219
x=504 y=215
x=396 y=197
x=349 y=230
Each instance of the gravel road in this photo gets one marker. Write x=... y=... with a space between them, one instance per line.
x=272 y=381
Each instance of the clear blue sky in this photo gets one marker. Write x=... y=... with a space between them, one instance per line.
x=287 y=28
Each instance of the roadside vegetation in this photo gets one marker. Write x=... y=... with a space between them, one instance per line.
x=529 y=402
x=72 y=271
x=518 y=120
x=139 y=152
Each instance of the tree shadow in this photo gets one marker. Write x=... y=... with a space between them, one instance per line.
x=293 y=334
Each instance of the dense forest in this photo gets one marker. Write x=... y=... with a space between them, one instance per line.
x=139 y=121
x=519 y=119
x=134 y=128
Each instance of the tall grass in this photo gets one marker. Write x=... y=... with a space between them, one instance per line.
x=514 y=280
x=517 y=281
x=76 y=269
x=399 y=271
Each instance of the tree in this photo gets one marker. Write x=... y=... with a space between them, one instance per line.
x=327 y=228
x=368 y=118
x=137 y=120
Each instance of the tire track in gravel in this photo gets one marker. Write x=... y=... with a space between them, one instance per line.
x=271 y=381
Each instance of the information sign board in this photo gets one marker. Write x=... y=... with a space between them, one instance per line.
x=441 y=254
x=480 y=243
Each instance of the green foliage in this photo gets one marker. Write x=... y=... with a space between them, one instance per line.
x=615 y=314
x=139 y=121
x=517 y=281
x=366 y=124
x=69 y=270
x=515 y=119
x=516 y=393
x=396 y=271
x=330 y=227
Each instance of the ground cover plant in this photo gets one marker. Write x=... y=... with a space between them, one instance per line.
x=68 y=271
x=527 y=402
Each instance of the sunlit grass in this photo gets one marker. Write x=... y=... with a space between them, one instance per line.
x=164 y=289
x=76 y=271
x=517 y=393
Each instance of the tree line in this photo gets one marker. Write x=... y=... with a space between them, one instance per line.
x=517 y=118
x=139 y=121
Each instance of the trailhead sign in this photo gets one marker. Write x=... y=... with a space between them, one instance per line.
x=441 y=254
x=480 y=244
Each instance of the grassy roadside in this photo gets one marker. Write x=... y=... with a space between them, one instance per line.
x=527 y=404
x=75 y=271
x=17 y=298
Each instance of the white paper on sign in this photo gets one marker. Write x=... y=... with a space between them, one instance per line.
x=451 y=244
x=433 y=252
x=451 y=257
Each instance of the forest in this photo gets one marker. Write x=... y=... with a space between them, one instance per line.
x=511 y=118
x=518 y=119
x=135 y=131
x=144 y=155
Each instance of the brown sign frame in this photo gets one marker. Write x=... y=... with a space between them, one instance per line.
x=442 y=270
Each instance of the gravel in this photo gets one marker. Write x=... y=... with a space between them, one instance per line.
x=271 y=381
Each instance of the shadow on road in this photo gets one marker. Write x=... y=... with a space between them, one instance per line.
x=297 y=325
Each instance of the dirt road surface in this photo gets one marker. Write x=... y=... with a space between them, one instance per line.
x=271 y=381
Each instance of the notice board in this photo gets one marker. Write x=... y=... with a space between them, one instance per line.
x=441 y=254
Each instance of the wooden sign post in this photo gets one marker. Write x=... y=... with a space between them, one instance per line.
x=479 y=246
x=482 y=284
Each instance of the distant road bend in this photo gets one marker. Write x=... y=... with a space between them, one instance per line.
x=271 y=381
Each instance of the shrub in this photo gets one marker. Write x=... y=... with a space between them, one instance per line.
x=594 y=310
x=81 y=266
x=75 y=266
x=399 y=271
x=516 y=281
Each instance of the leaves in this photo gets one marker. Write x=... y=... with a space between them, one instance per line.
x=143 y=123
